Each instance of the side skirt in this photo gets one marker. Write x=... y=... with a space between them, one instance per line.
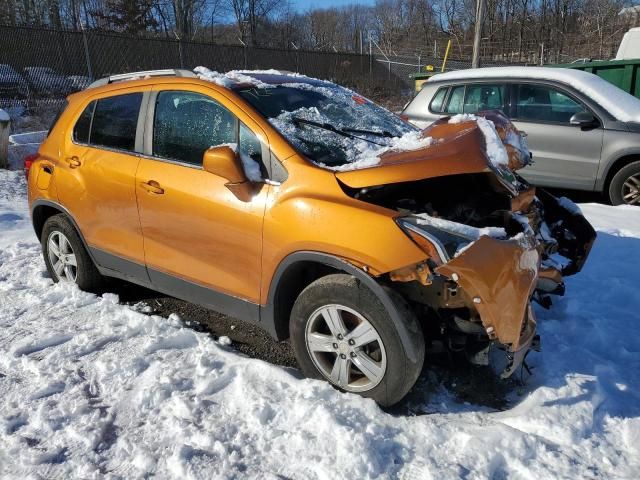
x=113 y=266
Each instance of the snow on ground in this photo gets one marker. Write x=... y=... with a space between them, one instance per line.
x=91 y=388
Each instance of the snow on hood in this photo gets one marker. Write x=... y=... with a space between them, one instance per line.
x=622 y=105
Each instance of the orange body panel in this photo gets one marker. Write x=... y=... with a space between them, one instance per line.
x=200 y=231
x=501 y=276
x=310 y=212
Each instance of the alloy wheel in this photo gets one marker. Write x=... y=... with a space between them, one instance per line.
x=631 y=190
x=346 y=348
x=62 y=257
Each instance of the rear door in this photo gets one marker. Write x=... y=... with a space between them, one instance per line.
x=564 y=155
x=96 y=178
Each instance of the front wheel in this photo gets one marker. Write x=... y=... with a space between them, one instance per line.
x=625 y=185
x=341 y=332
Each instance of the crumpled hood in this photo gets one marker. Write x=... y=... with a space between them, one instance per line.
x=459 y=146
x=456 y=149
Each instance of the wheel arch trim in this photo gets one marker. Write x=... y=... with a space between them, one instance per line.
x=268 y=311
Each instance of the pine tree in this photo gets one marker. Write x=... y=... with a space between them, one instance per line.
x=129 y=16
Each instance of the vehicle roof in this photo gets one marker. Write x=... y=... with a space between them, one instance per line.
x=232 y=80
x=622 y=105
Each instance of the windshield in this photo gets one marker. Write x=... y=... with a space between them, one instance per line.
x=331 y=125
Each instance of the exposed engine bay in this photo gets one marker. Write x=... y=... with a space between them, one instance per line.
x=493 y=244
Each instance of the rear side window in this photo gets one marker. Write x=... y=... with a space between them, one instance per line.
x=186 y=124
x=438 y=100
x=115 y=120
x=83 y=125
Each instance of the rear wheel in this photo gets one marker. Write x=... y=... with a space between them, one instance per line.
x=625 y=185
x=342 y=333
x=65 y=256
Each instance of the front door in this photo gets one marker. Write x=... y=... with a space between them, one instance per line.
x=96 y=179
x=195 y=228
x=564 y=155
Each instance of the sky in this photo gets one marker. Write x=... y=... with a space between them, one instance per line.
x=304 y=5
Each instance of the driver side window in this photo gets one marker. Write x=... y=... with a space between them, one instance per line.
x=186 y=124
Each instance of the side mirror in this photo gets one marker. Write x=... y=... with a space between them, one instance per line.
x=583 y=120
x=223 y=162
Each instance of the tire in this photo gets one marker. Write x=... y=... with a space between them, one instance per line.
x=392 y=374
x=57 y=231
x=627 y=176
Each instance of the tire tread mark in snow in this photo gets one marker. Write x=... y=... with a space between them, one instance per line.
x=42 y=344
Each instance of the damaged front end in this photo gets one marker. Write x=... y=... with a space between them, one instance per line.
x=492 y=242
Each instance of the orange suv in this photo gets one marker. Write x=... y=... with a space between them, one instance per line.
x=305 y=208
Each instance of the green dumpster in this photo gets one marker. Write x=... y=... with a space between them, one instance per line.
x=622 y=73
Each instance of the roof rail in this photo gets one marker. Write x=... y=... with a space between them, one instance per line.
x=168 y=72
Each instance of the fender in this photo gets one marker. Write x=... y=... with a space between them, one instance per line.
x=267 y=312
x=48 y=203
x=609 y=164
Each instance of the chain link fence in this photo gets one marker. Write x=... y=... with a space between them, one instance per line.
x=40 y=67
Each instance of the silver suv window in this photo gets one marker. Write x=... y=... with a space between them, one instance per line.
x=473 y=98
x=480 y=97
x=541 y=103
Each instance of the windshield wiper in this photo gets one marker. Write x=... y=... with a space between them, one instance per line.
x=383 y=133
x=331 y=128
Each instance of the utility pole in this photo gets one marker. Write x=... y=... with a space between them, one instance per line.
x=480 y=7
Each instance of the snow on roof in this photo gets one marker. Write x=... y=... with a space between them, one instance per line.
x=228 y=79
x=243 y=77
x=617 y=102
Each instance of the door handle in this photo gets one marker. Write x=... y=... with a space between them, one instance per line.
x=152 y=187
x=73 y=161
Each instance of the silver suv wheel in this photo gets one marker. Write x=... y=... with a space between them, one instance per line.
x=345 y=348
x=62 y=257
x=631 y=190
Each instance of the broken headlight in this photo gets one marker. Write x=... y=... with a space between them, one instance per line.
x=435 y=239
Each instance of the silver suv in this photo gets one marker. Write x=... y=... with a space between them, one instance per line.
x=584 y=132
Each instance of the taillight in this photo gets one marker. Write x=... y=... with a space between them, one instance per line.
x=404 y=117
x=28 y=161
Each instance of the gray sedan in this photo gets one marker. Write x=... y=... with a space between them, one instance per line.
x=584 y=132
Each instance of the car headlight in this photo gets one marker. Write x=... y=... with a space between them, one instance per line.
x=437 y=241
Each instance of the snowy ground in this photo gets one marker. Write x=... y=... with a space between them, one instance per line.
x=92 y=388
